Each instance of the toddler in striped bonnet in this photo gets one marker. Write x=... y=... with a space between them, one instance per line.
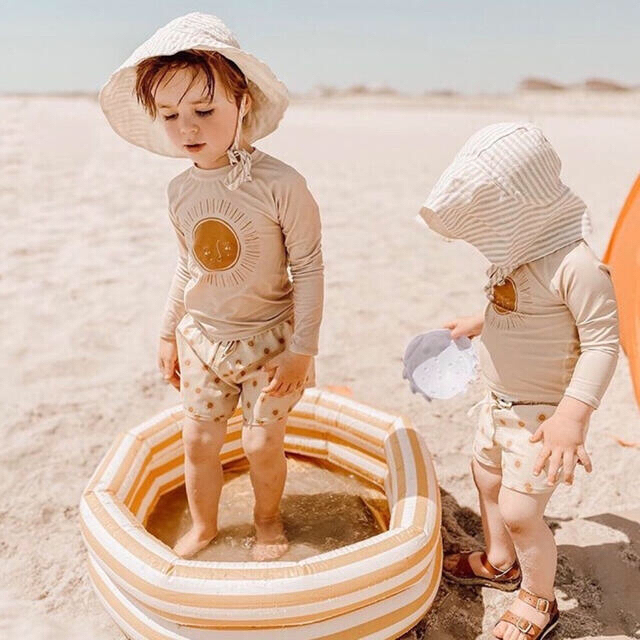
x=548 y=348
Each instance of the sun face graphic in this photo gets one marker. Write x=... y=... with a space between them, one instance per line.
x=215 y=245
x=225 y=246
x=505 y=297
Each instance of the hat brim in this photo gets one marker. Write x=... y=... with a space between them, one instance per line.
x=128 y=118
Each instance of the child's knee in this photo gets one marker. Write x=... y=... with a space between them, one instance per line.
x=515 y=524
x=201 y=439
x=520 y=517
x=262 y=445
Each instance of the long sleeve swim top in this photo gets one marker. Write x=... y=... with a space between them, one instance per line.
x=552 y=330
x=247 y=259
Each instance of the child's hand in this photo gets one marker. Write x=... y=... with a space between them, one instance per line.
x=563 y=440
x=469 y=326
x=168 y=362
x=288 y=370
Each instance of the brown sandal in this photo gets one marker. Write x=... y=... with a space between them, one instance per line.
x=462 y=573
x=532 y=631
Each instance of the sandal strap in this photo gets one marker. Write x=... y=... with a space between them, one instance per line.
x=497 y=573
x=539 y=604
x=523 y=625
x=463 y=567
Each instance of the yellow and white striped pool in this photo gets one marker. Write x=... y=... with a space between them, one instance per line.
x=376 y=588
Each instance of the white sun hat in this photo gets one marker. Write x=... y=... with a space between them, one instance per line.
x=503 y=194
x=269 y=96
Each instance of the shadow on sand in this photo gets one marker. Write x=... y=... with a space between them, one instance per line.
x=597 y=582
x=602 y=580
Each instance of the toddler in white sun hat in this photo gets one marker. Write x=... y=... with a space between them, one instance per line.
x=548 y=348
x=245 y=304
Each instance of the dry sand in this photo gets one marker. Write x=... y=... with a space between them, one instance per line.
x=87 y=258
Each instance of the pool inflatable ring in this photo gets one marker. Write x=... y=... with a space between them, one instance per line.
x=377 y=588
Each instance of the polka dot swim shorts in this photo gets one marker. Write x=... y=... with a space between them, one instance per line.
x=214 y=376
x=502 y=441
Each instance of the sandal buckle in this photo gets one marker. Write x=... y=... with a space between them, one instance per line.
x=523 y=628
x=545 y=605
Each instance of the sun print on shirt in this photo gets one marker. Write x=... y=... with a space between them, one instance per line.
x=224 y=243
x=215 y=245
x=505 y=297
x=508 y=300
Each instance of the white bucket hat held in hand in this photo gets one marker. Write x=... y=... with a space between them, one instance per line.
x=503 y=194
x=269 y=97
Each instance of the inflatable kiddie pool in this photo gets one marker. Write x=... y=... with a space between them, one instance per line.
x=376 y=588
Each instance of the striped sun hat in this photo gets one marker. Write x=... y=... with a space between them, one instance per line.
x=503 y=194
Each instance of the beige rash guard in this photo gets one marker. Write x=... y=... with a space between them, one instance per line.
x=247 y=259
x=552 y=330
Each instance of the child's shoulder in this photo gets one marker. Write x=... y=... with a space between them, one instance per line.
x=175 y=184
x=578 y=257
x=276 y=171
x=576 y=264
x=287 y=189
x=575 y=254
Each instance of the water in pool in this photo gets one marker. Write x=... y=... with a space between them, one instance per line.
x=323 y=508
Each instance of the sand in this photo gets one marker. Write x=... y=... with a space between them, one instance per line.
x=87 y=258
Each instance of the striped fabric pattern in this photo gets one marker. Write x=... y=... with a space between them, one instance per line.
x=378 y=587
x=503 y=194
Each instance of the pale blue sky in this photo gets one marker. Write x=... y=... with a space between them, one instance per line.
x=466 y=45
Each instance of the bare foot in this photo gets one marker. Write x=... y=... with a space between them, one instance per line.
x=192 y=542
x=271 y=541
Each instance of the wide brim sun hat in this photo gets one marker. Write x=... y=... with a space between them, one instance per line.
x=269 y=96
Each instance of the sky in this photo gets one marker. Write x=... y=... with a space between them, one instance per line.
x=469 y=46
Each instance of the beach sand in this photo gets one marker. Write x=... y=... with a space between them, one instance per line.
x=88 y=254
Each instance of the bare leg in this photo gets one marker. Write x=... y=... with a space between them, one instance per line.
x=536 y=547
x=264 y=447
x=500 y=550
x=203 y=479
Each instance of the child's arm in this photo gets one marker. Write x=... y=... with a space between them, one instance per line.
x=467 y=326
x=174 y=310
x=585 y=286
x=300 y=222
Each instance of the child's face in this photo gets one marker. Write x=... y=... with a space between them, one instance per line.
x=202 y=127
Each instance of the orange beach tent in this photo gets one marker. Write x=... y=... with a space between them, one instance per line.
x=623 y=257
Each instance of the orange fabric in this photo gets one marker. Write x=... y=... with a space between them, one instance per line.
x=623 y=257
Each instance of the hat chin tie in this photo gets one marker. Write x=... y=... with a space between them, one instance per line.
x=240 y=159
